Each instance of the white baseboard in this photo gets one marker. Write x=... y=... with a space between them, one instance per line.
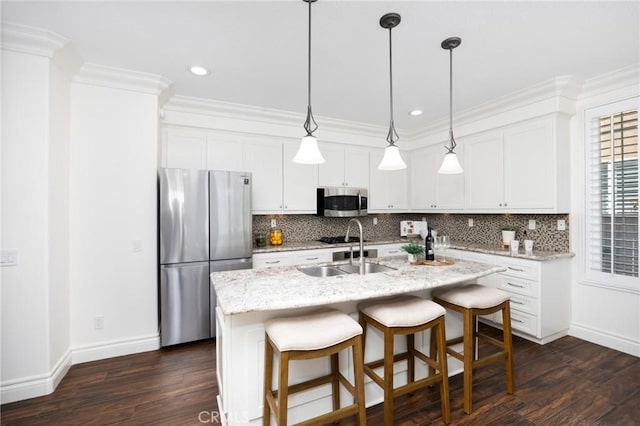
x=607 y=339
x=44 y=384
x=103 y=350
x=31 y=387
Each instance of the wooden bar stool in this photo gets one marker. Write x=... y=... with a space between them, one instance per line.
x=310 y=336
x=405 y=316
x=473 y=300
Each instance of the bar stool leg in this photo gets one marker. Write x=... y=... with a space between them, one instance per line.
x=335 y=382
x=468 y=355
x=442 y=363
x=508 y=347
x=411 y=375
x=283 y=388
x=358 y=376
x=388 y=377
x=268 y=381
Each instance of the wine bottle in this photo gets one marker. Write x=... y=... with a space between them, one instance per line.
x=428 y=246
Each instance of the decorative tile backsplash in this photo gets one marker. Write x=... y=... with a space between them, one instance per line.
x=486 y=228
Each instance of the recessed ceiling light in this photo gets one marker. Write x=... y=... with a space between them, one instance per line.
x=415 y=112
x=198 y=70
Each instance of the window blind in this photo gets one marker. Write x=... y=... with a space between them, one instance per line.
x=613 y=194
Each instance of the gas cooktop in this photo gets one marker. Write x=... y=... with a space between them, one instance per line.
x=338 y=240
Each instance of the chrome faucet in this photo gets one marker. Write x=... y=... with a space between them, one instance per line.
x=346 y=240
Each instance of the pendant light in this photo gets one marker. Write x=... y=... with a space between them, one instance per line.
x=450 y=164
x=308 y=153
x=391 y=159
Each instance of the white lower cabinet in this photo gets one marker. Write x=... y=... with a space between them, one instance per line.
x=539 y=290
x=290 y=258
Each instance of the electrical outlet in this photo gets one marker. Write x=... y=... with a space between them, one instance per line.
x=562 y=225
x=424 y=219
x=532 y=224
x=470 y=222
x=98 y=323
x=273 y=223
x=375 y=220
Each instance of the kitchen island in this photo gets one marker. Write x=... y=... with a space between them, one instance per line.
x=247 y=298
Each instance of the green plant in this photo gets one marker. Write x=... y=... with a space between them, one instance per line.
x=509 y=228
x=413 y=248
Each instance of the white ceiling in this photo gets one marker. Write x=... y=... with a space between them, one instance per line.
x=257 y=50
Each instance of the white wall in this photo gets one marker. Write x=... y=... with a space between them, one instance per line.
x=35 y=296
x=600 y=314
x=113 y=203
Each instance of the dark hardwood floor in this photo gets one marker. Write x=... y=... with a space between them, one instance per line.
x=566 y=382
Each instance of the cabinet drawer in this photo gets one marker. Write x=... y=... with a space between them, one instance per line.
x=314 y=257
x=517 y=286
x=268 y=260
x=524 y=304
x=529 y=270
x=521 y=322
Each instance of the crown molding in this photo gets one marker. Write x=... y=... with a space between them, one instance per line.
x=617 y=79
x=31 y=40
x=118 y=78
x=221 y=109
x=551 y=94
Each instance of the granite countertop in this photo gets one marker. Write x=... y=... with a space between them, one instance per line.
x=539 y=255
x=287 y=287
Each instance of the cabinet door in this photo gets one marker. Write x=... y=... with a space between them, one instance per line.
x=300 y=182
x=388 y=188
x=225 y=153
x=356 y=167
x=185 y=149
x=423 y=185
x=483 y=173
x=264 y=160
x=529 y=158
x=331 y=172
x=449 y=188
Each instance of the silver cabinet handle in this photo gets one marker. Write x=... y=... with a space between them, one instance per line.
x=515 y=269
x=312 y=258
x=516 y=302
x=272 y=262
x=393 y=251
x=515 y=285
x=517 y=320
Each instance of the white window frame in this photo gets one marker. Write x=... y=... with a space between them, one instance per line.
x=602 y=278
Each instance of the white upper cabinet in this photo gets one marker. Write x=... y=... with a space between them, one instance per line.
x=520 y=168
x=225 y=153
x=344 y=166
x=184 y=149
x=429 y=190
x=264 y=160
x=388 y=190
x=300 y=182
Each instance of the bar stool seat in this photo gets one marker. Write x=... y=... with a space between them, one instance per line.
x=319 y=334
x=407 y=315
x=474 y=300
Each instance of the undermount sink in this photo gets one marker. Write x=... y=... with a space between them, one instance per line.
x=330 y=271
x=369 y=268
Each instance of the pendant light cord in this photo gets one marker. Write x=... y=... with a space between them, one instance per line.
x=310 y=124
x=451 y=139
x=392 y=135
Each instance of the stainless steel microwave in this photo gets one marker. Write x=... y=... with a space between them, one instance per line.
x=342 y=202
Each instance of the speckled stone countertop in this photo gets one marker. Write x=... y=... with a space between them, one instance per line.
x=538 y=255
x=287 y=287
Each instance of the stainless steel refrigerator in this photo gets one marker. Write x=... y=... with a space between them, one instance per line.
x=204 y=225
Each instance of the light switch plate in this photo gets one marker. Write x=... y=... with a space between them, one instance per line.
x=375 y=220
x=532 y=224
x=273 y=223
x=470 y=222
x=562 y=225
